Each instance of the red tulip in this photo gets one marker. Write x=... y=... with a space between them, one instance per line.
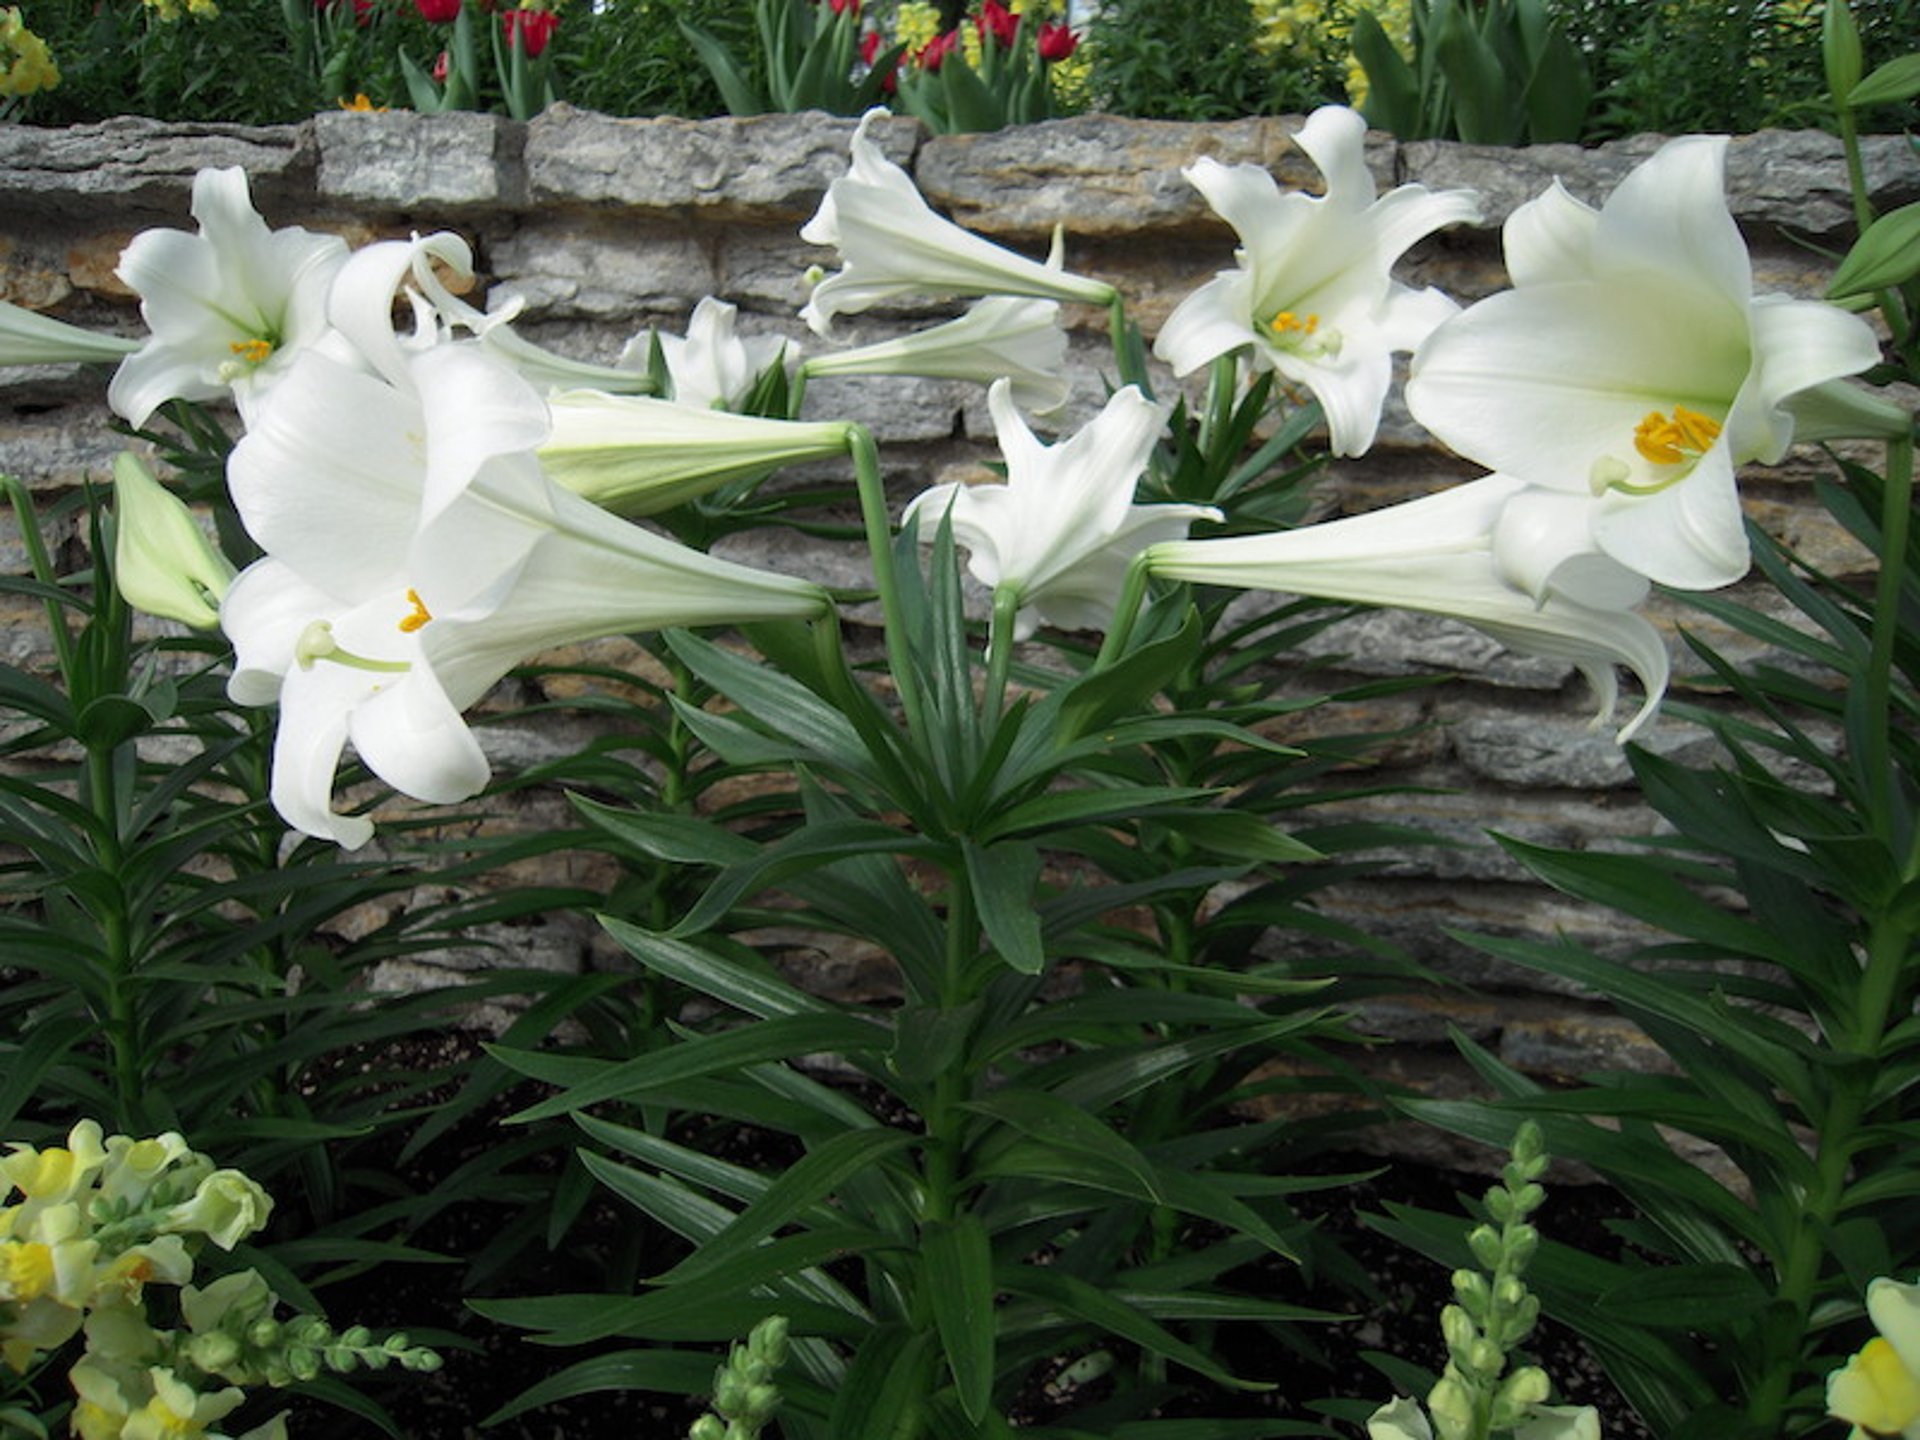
x=440 y=67
x=998 y=23
x=937 y=49
x=438 y=12
x=1057 y=42
x=531 y=28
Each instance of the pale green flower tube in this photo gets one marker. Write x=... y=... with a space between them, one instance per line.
x=27 y=338
x=637 y=456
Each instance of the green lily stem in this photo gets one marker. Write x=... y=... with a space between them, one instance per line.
x=1126 y=611
x=1126 y=359
x=1006 y=606
x=122 y=1025
x=879 y=527
x=1876 y=759
x=1891 y=304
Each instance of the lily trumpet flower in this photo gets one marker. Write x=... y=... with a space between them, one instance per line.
x=710 y=367
x=1632 y=363
x=639 y=456
x=1313 y=296
x=1063 y=528
x=1000 y=337
x=415 y=552
x=892 y=245
x=228 y=309
x=1438 y=555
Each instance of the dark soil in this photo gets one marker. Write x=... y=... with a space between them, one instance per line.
x=489 y=1365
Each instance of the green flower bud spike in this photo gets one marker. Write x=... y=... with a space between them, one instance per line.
x=1477 y=1397
x=744 y=1395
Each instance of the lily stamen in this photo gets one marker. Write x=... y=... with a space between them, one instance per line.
x=419 y=617
x=254 y=352
x=1673 y=441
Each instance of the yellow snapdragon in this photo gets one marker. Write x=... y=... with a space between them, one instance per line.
x=26 y=65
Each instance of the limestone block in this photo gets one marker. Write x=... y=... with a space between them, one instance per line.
x=411 y=163
x=767 y=166
x=129 y=166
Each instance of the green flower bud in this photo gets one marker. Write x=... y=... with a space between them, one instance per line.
x=303 y=1363
x=1484 y=1241
x=1522 y=1241
x=1518 y=1394
x=263 y=1334
x=213 y=1353
x=1459 y=1331
x=708 y=1427
x=1451 y=1406
x=768 y=1340
x=1529 y=1198
x=1470 y=1289
x=1487 y=1359
x=1840 y=50
x=761 y=1402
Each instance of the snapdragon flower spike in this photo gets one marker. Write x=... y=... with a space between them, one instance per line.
x=1001 y=337
x=228 y=309
x=1063 y=528
x=1633 y=364
x=893 y=246
x=1313 y=297
x=1437 y=555
x=415 y=552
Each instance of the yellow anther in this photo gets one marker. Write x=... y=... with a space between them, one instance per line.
x=419 y=617
x=1288 y=323
x=254 y=352
x=1685 y=435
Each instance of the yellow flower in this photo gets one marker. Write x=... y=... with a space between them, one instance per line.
x=26 y=66
x=915 y=23
x=363 y=105
x=1878 y=1390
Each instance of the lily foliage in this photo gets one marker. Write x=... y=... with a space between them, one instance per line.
x=1059 y=840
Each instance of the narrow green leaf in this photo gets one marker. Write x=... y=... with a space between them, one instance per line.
x=957 y=1269
x=674 y=1372
x=1003 y=878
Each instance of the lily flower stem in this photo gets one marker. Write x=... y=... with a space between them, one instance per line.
x=1892 y=305
x=1895 y=516
x=797 y=391
x=879 y=527
x=1133 y=594
x=1128 y=353
x=1006 y=604
x=1222 y=376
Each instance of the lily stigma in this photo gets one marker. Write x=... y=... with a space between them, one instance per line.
x=317 y=642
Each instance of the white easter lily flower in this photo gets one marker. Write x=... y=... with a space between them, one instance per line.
x=711 y=367
x=1313 y=294
x=360 y=308
x=1437 y=555
x=1633 y=362
x=229 y=309
x=1000 y=337
x=415 y=552
x=1063 y=528
x=639 y=456
x=163 y=562
x=29 y=338
x=892 y=244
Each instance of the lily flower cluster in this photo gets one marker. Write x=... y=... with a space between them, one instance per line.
x=95 y=1222
x=434 y=506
